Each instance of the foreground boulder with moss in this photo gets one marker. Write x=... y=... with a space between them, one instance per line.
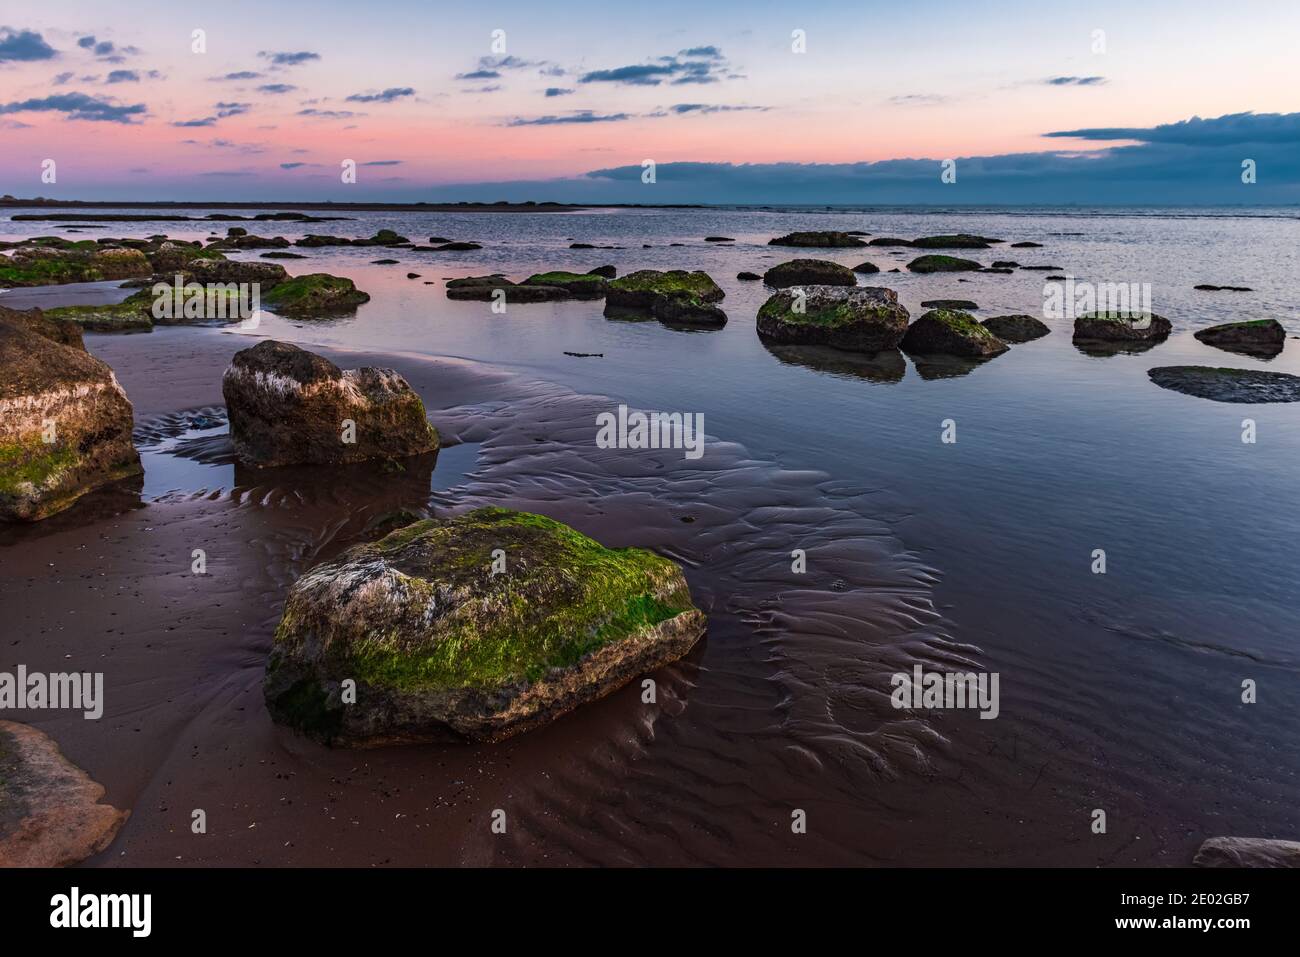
x=65 y=423
x=937 y=263
x=673 y=296
x=949 y=332
x=858 y=319
x=443 y=645
x=288 y=406
x=50 y=815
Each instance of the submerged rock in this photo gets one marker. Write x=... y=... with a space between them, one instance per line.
x=954 y=241
x=824 y=239
x=950 y=332
x=288 y=406
x=1247 y=852
x=809 y=272
x=316 y=294
x=1228 y=385
x=1264 y=337
x=962 y=304
x=926 y=264
x=1206 y=287
x=1113 y=327
x=65 y=423
x=1026 y=245
x=440 y=647
x=858 y=319
x=674 y=296
x=50 y=815
x=1016 y=329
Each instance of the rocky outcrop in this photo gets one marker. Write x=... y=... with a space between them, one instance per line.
x=312 y=296
x=288 y=406
x=266 y=275
x=889 y=241
x=809 y=272
x=674 y=296
x=50 y=815
x=1113 y=327
x=928 y=264
x=1264 y=337
x=43 y=265
x=442 y=646
x=1247 y=852
x=860 y=319
x=949 y=332
x=65 y=423
x=824 y=239
x=1016 y=329
x=1228 y=385
x=954 y=241
x=483 y=289
x=577 y=285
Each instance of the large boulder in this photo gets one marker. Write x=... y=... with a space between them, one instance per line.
x=951 y=333
x=1016 y=329
x=288 y=406
x=266 y=275
x=1247 y=852
x=1264 y=337
x=442 y=644
x=43 y=265
x=65 y=423
x=823 y=239
x=313 y=295
x=50 y=815
x=809 y=272
x=1113 y=327
x=861 y=319
x=674 y=296
x=937 y=263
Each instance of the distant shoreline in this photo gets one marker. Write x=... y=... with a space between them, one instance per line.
x=9 y=202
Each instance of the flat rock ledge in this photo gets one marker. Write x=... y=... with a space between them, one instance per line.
x=1247 y=852
x=288 y=406
x=1228 y=385
x=50 y=815
x=442 y=648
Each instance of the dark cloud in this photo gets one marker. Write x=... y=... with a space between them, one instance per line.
x=382 y=163
x=714 y=108
x=276 y=88
x=1231 y=129
x=23 y=46
x=557 y=91
x=204 y=121
x=386 y=96
x=288 y=59
x=1075 y=80
x=712 y=53
x=78 y=106
x=241 y=75
x=582 y=116
x=479 y=75
x=61 y=79
x=231 y=109
x=687 y=66
x=123 y=76
x=328 y=114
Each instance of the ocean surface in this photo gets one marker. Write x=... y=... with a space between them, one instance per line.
x=1120 y=692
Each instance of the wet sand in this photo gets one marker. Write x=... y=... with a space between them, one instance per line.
x=783 y=706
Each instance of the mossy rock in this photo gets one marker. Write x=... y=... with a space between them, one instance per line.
x=950 y=332
x=954 y=241
x=314 y=295
x=439 y=646
x=858 y=319
x=938 y=263
x=1016 y=329
x=809 y=272
x=47 y=265
x=821 y=239
x=673 y=296
x=130 y=315
x=579 y=285
x=1114 y=327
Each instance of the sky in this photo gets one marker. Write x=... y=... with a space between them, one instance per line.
x=753 y=102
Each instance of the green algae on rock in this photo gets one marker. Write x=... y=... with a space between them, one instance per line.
x=857 y=319
x=1117 y=327
x=313 y=295
x=952 y=333
x=579 y=285
x=809 y=272
x=288 y=406
x=442 y=644
x=65 y=423
x=45 y=265
x=673 y=296
x=937 y=263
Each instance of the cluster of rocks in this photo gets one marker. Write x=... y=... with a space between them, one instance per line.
x=388 y=238
x=552 y=286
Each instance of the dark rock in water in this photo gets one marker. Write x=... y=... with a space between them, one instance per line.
x=438 y=240
x=288 y=406
x=283 y=256
x=483 y=289
x=809 y=272
x=586 y=355
x=578 y=285
x=748 y=276
x=313 y=295
x=866 y=268
x=311 y=239
x=605 y=272
x=949 y=304
x=52 y=381
x=1228 y=385
x=442 y=648
x=885 y=366
x=582 y=246
x=719 y=239
x=857 y=319
x=46 y=324
x=928 y=264
x=251 y=242
x=1110 y=327
x=826 y=239
x=954 y=241
x=457 y=247
x=1005 y=264
x=674 y=296
x=1247 y=852
x=889 y=241
x=953 y=333
x=1206 y=287
x=266 y=275
x=1056 y=278
x=855 y=232
x=236 y=231
x=1042 y=268
x=1264 y=337
x=50 y=815
x=383 y=262
x=1026 y=245
x=1016 y=329
x=999 y=270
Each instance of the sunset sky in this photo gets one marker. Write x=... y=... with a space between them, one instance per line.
x=417 y=95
